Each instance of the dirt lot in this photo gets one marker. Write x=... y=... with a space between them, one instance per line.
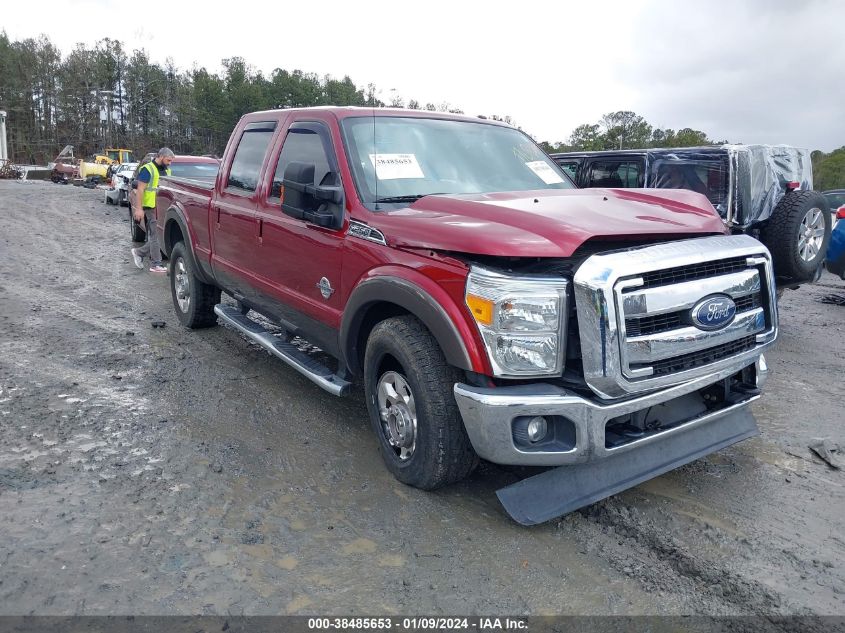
x=163 y=471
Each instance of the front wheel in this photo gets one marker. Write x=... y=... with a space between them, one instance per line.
x=797 y=234
x=412 y=407
x=193 y=299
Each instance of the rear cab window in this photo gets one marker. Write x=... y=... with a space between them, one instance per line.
x=708 y=176
x=195 y=171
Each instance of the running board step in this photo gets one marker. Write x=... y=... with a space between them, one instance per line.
x=312 y=369
x=566 y=488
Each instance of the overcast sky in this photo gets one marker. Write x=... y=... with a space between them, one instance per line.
x=755 y=71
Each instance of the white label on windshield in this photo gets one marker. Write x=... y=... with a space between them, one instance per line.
x=544 y=172
x=394 y=166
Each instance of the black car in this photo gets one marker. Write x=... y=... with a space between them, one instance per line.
x=762 y=190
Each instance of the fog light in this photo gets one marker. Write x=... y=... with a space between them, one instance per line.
x=537 y=428
x=762 y=371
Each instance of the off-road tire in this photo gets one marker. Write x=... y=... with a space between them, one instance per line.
x=203 y=297
x=782 y=232
x=443 y=453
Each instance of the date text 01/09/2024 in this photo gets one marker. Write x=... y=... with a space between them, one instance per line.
x=418 y=623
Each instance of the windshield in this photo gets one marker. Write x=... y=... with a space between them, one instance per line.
x=197 y=171
x=399 y=159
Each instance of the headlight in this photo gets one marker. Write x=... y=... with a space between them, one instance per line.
x=522 y=321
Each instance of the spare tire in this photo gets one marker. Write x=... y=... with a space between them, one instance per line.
x=797 y=235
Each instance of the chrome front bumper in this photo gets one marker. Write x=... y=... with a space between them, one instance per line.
x=489 y=415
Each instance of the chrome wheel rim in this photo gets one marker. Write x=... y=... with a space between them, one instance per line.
x=398 y=413
x=811 y=234
x=181 y=285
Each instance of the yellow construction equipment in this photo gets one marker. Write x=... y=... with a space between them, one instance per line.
x=101 y=163
x=88 y=169
x=114 y=157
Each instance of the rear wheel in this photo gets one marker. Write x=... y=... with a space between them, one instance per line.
x=193 y=299
x=797 y=234
x=412 y=407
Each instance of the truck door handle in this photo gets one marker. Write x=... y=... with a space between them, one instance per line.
x=260 y=229
x=218 y=218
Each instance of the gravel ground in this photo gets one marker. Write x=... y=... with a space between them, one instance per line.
x=164 y=471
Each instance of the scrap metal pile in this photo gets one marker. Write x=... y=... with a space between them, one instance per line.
x=9 y=171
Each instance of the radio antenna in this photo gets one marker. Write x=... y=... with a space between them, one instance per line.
x=375 y=151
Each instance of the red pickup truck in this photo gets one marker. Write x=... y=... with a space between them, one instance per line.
x=489 y=307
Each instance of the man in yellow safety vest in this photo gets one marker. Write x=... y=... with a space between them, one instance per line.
x=144 y=206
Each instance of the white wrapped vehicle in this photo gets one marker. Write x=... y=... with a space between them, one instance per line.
x=761 y=190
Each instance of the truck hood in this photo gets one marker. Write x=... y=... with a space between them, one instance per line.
x=546 y=223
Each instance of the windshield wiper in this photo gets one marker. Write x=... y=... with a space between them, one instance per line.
x=412 y=198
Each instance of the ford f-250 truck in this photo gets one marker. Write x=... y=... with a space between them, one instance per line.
x=489 y=307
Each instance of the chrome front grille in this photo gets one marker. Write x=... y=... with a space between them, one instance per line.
x=635 y=312
x=693 y=271
x=647 y=325
x=705 y=357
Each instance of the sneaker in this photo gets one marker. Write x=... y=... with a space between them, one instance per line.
x=139 y=261
x=158 y=269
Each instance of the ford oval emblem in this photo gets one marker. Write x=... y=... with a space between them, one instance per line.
x=714 y=312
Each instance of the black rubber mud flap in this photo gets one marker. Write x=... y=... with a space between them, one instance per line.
x=563 y=489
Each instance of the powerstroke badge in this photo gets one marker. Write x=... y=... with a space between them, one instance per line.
x=364 y=232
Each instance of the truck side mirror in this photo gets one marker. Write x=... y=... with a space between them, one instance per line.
x=296 y=178
x=321 y=205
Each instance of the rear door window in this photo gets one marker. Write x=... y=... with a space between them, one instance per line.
x=617 y=173
x=249 y=157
